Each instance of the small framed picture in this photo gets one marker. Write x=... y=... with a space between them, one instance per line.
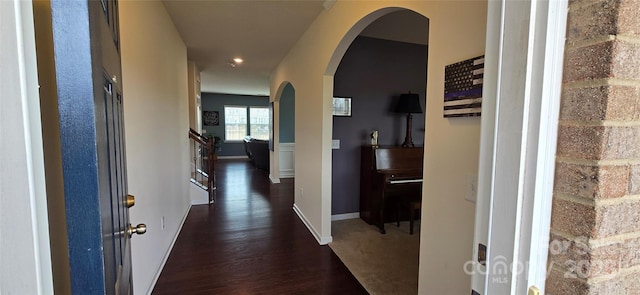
x=342 y=106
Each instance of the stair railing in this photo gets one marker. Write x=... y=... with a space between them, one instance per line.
x=203 y=163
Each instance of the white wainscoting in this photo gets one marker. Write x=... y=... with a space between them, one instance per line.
x=287 y=160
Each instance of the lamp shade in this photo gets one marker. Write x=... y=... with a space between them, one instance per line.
x=409 y=103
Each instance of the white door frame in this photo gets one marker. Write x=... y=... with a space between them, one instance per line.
x=522 y=84
x=25 y=256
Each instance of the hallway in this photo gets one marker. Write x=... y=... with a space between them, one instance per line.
x=251 y=242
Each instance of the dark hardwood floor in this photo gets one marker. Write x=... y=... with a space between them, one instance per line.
x=251 y=242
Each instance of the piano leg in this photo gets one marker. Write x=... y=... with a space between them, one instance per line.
x=381 y=221
x=381 y=227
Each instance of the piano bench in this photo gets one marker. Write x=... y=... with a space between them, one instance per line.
x=413 y=207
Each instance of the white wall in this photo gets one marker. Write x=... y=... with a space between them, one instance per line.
x=195 y=98
x=154 y=70
x=457 y=32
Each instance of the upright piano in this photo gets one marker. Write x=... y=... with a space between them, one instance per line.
x=388 y=175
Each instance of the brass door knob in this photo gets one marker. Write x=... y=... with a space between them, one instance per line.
x=130 y=201
x=140 y=229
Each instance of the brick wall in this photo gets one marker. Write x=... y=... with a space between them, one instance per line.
x=595 y=223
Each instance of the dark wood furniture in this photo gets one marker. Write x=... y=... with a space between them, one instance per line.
x=258 y=152
x=388 y=175
x=412 y=206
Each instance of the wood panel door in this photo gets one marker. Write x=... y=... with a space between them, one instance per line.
x=90 y=99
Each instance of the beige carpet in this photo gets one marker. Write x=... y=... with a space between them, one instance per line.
x=383 y=264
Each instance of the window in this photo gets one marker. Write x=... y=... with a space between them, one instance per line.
x=259 y=122
x=236 y=125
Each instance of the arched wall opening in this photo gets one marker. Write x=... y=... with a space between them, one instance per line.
x=387 y=59
x=457 y=32
x=283 y=156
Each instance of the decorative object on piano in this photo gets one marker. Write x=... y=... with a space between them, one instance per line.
x=374 y=138
x=342 y=106
x=463 y=88
x=211 y=118
x=409 y=103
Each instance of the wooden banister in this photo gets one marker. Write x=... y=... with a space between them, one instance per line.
x=211 y=170
x=198 y=137
x=209 y=144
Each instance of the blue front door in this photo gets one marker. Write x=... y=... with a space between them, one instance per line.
x=90 y=99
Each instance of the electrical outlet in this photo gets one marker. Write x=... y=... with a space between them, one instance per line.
x=162 y=222
x=301 y=192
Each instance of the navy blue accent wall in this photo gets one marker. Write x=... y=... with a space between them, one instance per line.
x=287 y=114
x=216 y=102
x=374 y=73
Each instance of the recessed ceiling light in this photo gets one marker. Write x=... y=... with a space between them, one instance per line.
x=238 y=60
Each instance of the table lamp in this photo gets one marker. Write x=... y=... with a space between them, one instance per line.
x=408 y=103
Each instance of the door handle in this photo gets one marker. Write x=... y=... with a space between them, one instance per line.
x=130 y=201
x=140 y=229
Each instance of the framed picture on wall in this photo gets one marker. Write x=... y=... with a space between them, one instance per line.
x=211 y=118
x=342 y=106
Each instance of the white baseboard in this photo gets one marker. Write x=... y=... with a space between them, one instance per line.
x=273 y=179
x=232 y=157
x=166 y=255
x=321 y=240
x=353 y=215
x=289 y=173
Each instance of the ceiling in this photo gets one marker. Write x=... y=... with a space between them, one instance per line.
x=261 y=32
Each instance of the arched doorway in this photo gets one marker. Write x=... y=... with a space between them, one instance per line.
x=387 y=59
x=380 y=64
x=452 y=151
x=283 y=157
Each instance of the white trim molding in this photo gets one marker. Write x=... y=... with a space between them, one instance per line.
x=523 y=75
x=232 y=157
x=287 y=159
x=321 y=240
x=274 y=179
x=166 y=255
x=25 y=255
x=344 y=216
